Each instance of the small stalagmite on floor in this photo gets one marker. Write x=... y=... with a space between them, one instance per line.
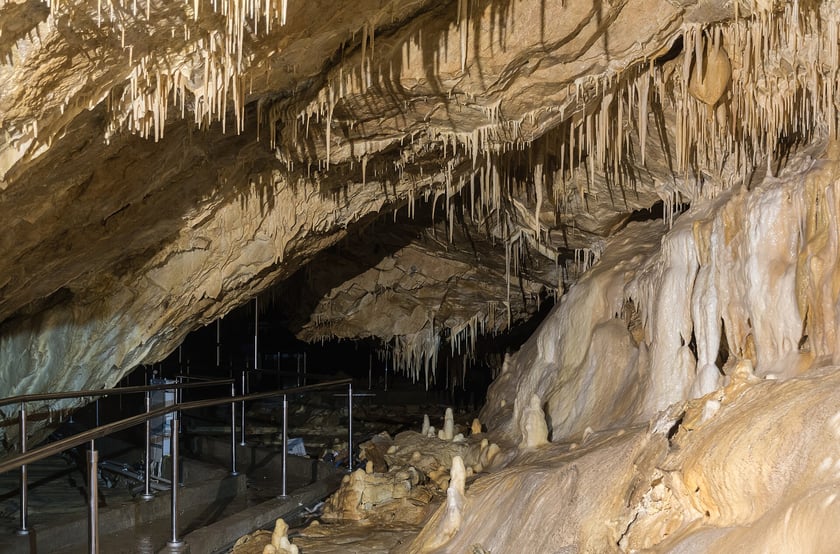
x=265 y=542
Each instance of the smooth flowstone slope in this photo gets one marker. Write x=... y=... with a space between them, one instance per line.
x=749 y=468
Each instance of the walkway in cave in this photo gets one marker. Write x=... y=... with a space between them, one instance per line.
x=58 y=506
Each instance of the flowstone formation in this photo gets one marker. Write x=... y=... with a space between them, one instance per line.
x=749 y=275
x=756 y=474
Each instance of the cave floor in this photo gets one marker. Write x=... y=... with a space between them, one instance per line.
x=346 y=537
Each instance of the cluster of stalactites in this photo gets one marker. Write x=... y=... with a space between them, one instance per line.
x=760 y=108
x=205 y=69
x=264 y=12
x=748 y=90
x=741 y=93
x=416 y=355
x=485 y=146
x=784 y=85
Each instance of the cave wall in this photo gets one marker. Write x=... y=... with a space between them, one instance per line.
x=229 y=248
x=643 y=328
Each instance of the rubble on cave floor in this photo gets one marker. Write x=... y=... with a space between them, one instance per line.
x=401 y=482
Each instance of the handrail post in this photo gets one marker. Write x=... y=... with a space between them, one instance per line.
x=256 y=332
x=350 y=426
x=175 y=542
x=285 y=444
x=93 y=443
x=179 y=397
x=233 y=431
x=24 y=508
x=93 y=499
x=147 y=493
x=218 y=342
x=242 y=406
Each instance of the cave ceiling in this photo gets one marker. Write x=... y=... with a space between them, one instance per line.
x=163 y=162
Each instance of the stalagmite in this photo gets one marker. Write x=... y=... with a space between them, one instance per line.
x=532 y=424
x=457 y=476
x=280 y=541
x=475 y=429
x=448 y=425
x=426 y=425
x=452 y=517
x=489 y=451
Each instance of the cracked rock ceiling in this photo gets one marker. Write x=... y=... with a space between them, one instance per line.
x=161 y=162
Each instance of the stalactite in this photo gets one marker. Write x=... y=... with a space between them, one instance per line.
x=220 y=53
x=330 y=108
x=463 y=21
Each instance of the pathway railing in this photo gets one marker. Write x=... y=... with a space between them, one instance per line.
x=28 y=456
x=23 y=400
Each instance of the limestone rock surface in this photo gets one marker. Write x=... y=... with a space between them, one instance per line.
x=757 y=476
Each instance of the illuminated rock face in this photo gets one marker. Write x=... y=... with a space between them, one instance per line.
x=666 y=317
x=161 y=163
x=756 y=475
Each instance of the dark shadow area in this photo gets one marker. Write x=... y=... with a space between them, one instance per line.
x=673 y=52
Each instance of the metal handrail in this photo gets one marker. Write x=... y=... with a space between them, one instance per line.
x=29 y=456
x=286 y=373
x=24 y=398
x=61 y=445
x=201 y=378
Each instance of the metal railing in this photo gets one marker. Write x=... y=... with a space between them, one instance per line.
x=245 y=388
x=23 y=400
x=26 y=398
x=27 y=457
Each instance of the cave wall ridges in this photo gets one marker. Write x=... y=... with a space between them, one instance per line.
x=756 y=270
